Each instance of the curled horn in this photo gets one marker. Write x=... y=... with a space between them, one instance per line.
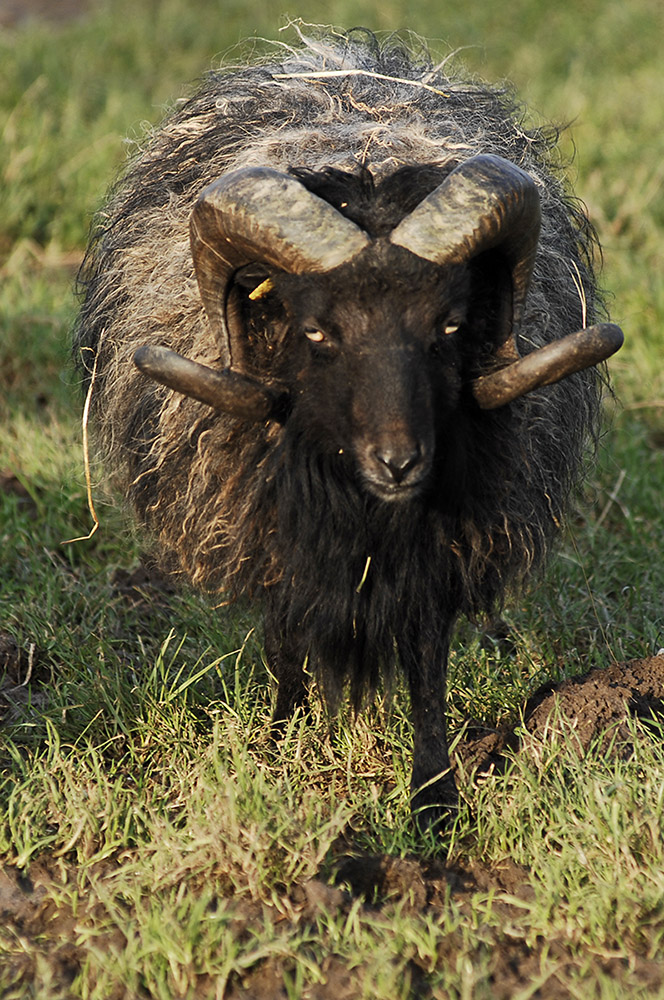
x=257 y=214
x=262 y=215
x=489 y=203
x=485 y=203
x=548 y=364
x=230 y=391
x=250 y=215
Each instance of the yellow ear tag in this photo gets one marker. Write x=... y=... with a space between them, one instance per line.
x=261 y=290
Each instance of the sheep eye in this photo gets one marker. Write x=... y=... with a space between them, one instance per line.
x=315 y=336
x=445 y=329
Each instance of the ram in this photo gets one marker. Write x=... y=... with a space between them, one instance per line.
x=339 y=317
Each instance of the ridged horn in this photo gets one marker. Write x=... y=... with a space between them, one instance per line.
x=257 y=214
x=548 y=364
x=229 y=391
x=485 y=203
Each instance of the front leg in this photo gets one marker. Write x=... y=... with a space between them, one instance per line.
x=434 y=796
x=286 y=658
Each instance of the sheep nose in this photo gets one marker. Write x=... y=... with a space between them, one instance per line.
x=398 y=460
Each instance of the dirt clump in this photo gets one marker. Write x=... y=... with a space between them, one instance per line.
x=26 y=906
x=430 y=883
x=599 y=703
x=596 y=706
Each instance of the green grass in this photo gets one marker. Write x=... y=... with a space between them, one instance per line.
x=165 y=847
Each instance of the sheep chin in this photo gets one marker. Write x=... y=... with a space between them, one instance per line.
x=393 y=493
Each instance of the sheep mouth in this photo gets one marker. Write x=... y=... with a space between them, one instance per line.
x=394 y=492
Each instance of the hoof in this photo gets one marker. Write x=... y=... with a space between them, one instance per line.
x=434 y=806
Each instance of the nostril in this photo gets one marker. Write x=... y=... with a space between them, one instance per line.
x=398 y=461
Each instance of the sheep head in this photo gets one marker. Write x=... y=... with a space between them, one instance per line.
x=393 y=311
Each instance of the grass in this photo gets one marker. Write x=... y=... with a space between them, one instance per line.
x=153 y=843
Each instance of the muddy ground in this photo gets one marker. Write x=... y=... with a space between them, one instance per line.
x=597 y=704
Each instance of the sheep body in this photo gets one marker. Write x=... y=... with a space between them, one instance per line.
x=264 y=509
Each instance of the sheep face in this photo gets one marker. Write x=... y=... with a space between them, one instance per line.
x=375 y=356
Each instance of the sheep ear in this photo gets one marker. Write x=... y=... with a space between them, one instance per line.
x=260 y=215
x=491 y=304
x=486 y=203
x=547 y=365
x=231 y=392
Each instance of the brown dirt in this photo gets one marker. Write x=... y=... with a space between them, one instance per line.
x=26 y=907
x=11 y=485
x=143 y=588
x=23 y=674
x=17 y=12
x=596 y=706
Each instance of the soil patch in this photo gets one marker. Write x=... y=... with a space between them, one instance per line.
x=12 y=486
x=27 y=907
x=23 y=674
x=597 y=706
x=143 y=588
x=17 y=12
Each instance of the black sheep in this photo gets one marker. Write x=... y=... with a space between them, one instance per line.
x=367 y=261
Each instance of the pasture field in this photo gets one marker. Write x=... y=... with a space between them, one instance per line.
x=153 y=842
